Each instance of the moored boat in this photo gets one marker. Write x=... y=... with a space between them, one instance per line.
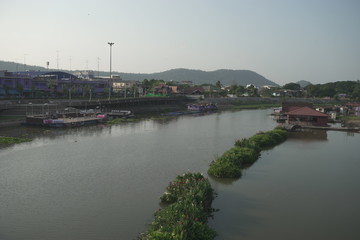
x=202 y=107
x=120 y=113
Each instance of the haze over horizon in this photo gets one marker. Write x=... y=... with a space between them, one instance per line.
x=283 y=40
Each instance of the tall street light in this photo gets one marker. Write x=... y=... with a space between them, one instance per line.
x=110 y=43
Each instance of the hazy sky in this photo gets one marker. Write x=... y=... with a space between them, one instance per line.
x=283 y=40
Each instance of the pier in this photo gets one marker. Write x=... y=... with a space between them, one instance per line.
x=293 y=127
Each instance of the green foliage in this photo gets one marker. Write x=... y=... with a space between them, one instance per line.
x=278 y=134
x=190 y=196
x=237 y=90
x=224 y=169
x=247 y=143
x=13 y=140
x=19 y=88
x=246 y=151
x=252 y=91
x=218 y=84
x=292 y=86
x=6 y=89
x=350 y=88
x=241 y=155
x=263 y=140
x=269 y=139
x=187 y=184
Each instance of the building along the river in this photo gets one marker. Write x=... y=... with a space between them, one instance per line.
x=50 y=83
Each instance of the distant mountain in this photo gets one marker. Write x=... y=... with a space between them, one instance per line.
x=15 y=67
x=303 y=83
x=225 y=76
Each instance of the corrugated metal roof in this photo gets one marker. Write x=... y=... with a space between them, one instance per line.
x=306 y=111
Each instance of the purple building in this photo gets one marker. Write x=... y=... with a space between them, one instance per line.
x=36 y=83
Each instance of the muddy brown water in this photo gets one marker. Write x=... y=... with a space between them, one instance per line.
x=104 y=182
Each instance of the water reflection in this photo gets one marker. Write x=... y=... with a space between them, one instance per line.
x=309 y=135
x=104 y=182
x=306 y=185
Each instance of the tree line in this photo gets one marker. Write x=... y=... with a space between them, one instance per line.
x=350 y=89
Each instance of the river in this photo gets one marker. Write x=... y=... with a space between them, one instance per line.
x=104 y=182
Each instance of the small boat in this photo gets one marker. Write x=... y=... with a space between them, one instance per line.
x=202 y=107
x=120 y=113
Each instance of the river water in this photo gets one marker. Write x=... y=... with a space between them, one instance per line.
x=104 y=182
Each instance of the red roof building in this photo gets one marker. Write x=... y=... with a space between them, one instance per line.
x=306 y=116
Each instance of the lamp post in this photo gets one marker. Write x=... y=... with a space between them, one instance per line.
x=110 y=43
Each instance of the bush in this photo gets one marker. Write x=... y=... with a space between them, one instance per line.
x=247 y=143
x=186 y=217
x=240 y=155
x=230 y=163
x=279 y=135
x=189 y=184
x=269 y=139
x=263 y=140
x=246 y=151
x=224 y=169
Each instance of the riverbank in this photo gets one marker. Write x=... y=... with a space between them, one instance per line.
x=13 y=140
x=152 y=111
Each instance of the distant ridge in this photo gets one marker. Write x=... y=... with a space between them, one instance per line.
x=303 y=83
x=225 y=76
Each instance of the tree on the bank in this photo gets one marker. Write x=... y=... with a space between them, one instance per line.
x=7 y=90
x=252 y=91
x=149 y=85
x=218 y=84
x=292 y=86
x=237 y=90
x=19 y=88
x=52 y=84
x=350 y=88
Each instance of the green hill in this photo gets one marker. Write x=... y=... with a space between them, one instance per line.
x=225 y=76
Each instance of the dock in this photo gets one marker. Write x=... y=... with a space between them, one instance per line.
x=294 y=127
x=64 y=119
x=346 y=129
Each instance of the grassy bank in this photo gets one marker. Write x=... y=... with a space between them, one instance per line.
x=190 y=196
x=13 y=140
x=245 y=152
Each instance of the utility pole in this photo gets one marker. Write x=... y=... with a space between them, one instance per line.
x=25 y=62
x=98 y=62
x=57 y=59
x=110 y=43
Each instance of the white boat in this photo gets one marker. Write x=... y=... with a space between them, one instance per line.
x=120 y=113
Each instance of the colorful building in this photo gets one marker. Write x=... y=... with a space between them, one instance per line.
x=57 y=83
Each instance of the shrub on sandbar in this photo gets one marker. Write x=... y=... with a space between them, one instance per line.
x=230 y=163
x=224 y=169
x=246 y=151
x=190 y=196
x=13 y=140
x=269 y=139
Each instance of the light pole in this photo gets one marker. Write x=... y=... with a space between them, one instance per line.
x=110 y=43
